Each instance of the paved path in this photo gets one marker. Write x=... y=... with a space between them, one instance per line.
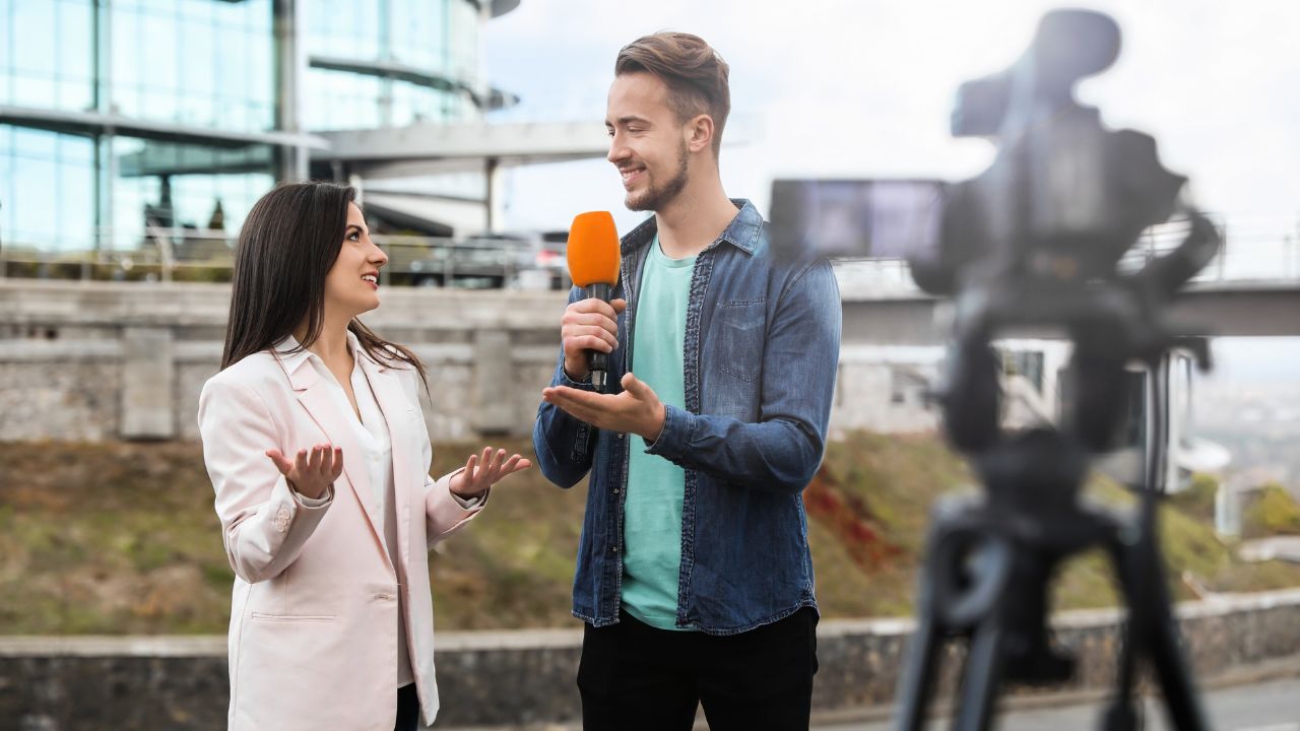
x=1284 y=548
x=1272 y=705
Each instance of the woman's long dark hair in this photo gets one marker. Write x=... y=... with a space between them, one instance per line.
x=286 y=247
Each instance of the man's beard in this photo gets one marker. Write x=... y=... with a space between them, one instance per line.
x=654 y=197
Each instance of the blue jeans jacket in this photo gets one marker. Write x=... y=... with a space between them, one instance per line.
x=761 y=355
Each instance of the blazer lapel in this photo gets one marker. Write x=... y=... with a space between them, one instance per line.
x=314 y=395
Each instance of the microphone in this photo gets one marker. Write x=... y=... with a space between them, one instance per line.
x=593 y=253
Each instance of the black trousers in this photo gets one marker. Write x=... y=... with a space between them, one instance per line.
x=633 y=676
x=408 y=709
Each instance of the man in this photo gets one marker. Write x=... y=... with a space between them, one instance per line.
x=694 y=576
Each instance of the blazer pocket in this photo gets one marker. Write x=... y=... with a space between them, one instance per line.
x=265 y=617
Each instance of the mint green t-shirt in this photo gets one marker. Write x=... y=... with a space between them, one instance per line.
x=652 y=520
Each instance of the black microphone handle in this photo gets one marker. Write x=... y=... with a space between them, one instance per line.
x=598 y=362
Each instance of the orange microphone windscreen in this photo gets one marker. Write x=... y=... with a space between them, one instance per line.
x=593 y=249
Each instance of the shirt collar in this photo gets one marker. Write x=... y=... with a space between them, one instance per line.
x=743 y=232
x=292 y=355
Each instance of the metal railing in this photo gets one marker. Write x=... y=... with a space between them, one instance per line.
x=1265 y=249
x=207 y=255
x=1255 y=249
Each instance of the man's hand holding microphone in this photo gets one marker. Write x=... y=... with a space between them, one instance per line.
x=589 y=325
x=589 y=331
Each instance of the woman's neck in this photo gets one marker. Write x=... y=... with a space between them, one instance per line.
x=332 y=342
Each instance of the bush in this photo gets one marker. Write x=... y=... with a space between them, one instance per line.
x=1272 y=512
x=1198 y=499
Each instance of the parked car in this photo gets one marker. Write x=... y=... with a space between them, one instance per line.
x=486 y=261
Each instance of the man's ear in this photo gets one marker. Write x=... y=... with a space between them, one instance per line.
x=699 y=132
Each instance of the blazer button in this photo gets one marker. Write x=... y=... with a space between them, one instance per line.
x=282 y=519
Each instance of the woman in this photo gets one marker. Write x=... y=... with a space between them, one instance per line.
x=317 y=449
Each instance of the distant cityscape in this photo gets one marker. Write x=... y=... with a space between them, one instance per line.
x=1257 y=420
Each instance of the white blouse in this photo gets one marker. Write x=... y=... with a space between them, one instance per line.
x=371 y=432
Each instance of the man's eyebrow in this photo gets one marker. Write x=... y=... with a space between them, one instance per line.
x=628 y=119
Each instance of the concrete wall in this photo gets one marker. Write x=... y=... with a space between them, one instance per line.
x=527 y=677
x=102 y=361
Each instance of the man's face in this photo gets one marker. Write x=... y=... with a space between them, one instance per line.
x=647 y=143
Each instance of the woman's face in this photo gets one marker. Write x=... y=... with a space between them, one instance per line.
x=352 y=284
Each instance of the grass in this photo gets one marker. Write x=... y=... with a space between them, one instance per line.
x=122 y=539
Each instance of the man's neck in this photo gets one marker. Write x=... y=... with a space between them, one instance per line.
x=694 y=220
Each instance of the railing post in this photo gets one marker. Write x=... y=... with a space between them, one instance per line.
x=1223 y=251
x=1294 y=250
x=448 y=264
x=1287 y=258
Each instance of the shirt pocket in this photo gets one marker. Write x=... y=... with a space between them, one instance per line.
x=741 y=325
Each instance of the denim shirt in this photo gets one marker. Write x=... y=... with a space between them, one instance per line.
x=761 y=356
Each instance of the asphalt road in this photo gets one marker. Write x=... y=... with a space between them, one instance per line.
x=1272 y=705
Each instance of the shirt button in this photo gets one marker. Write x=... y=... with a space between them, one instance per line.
x=616 y=491
x=620 y=435
x=615 y=549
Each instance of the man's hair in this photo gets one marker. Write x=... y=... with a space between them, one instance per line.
x=696 y=76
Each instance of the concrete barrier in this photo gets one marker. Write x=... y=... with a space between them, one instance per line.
x=98 y=361
x=527 y=677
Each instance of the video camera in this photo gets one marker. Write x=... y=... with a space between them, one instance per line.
x=1037 y=241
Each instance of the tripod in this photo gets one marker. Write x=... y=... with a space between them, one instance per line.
x=989 y=561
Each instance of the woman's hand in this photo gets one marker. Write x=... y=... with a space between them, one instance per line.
x=484 y=471
x=310 y=475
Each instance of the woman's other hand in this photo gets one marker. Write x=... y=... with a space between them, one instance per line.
x=484 y=471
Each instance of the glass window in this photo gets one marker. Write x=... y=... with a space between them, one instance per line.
x=206 y=64
x=7 y=182
x=158 y=55
x=76 y=64
x=437 y=36
x=417 y=30
x=124 y=86
x=342 y=100
x=201 y=11
x=45 y=53
x=344 y=29
x=462 y=41
x=48 y=188
x=178 y=186
x=30 y=32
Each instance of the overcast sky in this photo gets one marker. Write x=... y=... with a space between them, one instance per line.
x=863 y=88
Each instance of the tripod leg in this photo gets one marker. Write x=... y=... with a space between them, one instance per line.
x=1146 y=592
x=1121 y=714
x=1176 y=683
x=980 y=679
x=916 y=685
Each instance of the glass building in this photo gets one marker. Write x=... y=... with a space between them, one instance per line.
x=123 y=118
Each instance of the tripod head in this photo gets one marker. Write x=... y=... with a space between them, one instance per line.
x=1036 y=239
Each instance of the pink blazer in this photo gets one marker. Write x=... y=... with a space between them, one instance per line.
x=313 y=625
